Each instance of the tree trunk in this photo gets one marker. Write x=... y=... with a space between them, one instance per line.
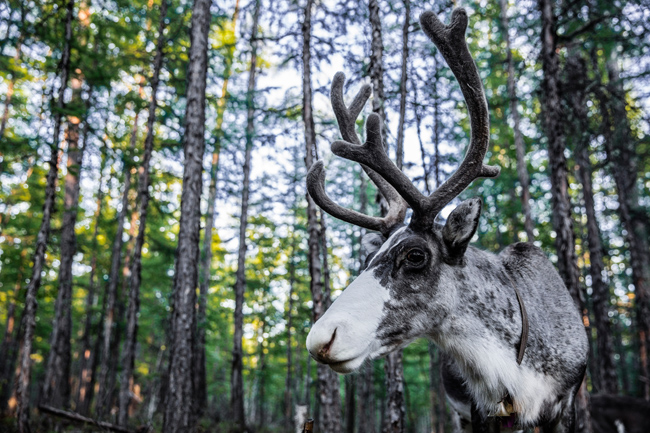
x=23 y=382
x=607 y=377
x=520 y=148
x=9 y=347
x=561 y=216
x=56 y=385
x=288 y=383
x=377 y=79
x=237 y=378
x=604 y=377
x=135 y=278
x=377 y=64
x=394 y=420
x=206 y=255
x=111 y=298
x=393 y=363
x=261 y=382
x=328 y=383
x=88 y=355
x=13 y=336
x=623 y=163
x=399 y=157
x=180 y=409
x=350 y=403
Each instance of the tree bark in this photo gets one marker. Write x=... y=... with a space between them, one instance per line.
x=520 y=147
x=288 y=383
x=328 y=383
x=561 y=214
x=111 y=298
x=23 y=382
x=180 y=409
x=350 y=403
x=377 y=79
x=135 y=279
x=605 y=379
x=393 y=363
x=56 y=385
x=399 y=157
x=206 y=255
x=377 y=64
x=236 y=378
x=395 y=412
x=88 y=354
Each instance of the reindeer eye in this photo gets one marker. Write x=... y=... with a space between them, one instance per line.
x=416 y=257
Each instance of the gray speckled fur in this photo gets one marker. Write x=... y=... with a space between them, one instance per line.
x=464 y=301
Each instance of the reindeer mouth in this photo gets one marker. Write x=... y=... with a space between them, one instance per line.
x=347 y=366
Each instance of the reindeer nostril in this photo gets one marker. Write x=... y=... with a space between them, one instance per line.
x=326 y=348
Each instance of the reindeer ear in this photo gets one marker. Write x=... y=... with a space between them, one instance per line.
x=460 y=227
x=371 y=242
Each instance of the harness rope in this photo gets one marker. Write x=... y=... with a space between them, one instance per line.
x=524 y=322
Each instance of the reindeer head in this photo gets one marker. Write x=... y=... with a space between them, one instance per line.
x=408 y=287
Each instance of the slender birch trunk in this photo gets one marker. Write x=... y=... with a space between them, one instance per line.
x=520 y=147
x=328 y=383
x=604 y=376
x=288 y=383
x=23 y=382
x=394 y=421
x=181 y=408
x=88 y=354
x=399 y=158
x=135 y=279
x=561 y=216
x=206 y=255
x=56 y=385
x=236 y=378
x=106 y=368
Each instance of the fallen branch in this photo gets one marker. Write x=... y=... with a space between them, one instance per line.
x=82 y=419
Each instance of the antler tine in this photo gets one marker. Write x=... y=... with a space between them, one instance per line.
x=346 y=117
x=316 y=188
x=373 y=155
x=451 y=42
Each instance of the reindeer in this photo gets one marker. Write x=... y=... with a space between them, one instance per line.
x=514 y=342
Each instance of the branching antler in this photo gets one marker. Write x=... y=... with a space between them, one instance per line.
x=346 y=117
x=450 y=40
x=391 y=181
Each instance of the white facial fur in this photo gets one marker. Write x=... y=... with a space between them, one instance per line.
x=355 y=316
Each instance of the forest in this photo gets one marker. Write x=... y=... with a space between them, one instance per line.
x=161 y=262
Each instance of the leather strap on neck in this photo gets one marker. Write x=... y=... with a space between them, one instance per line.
x=524 y=322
